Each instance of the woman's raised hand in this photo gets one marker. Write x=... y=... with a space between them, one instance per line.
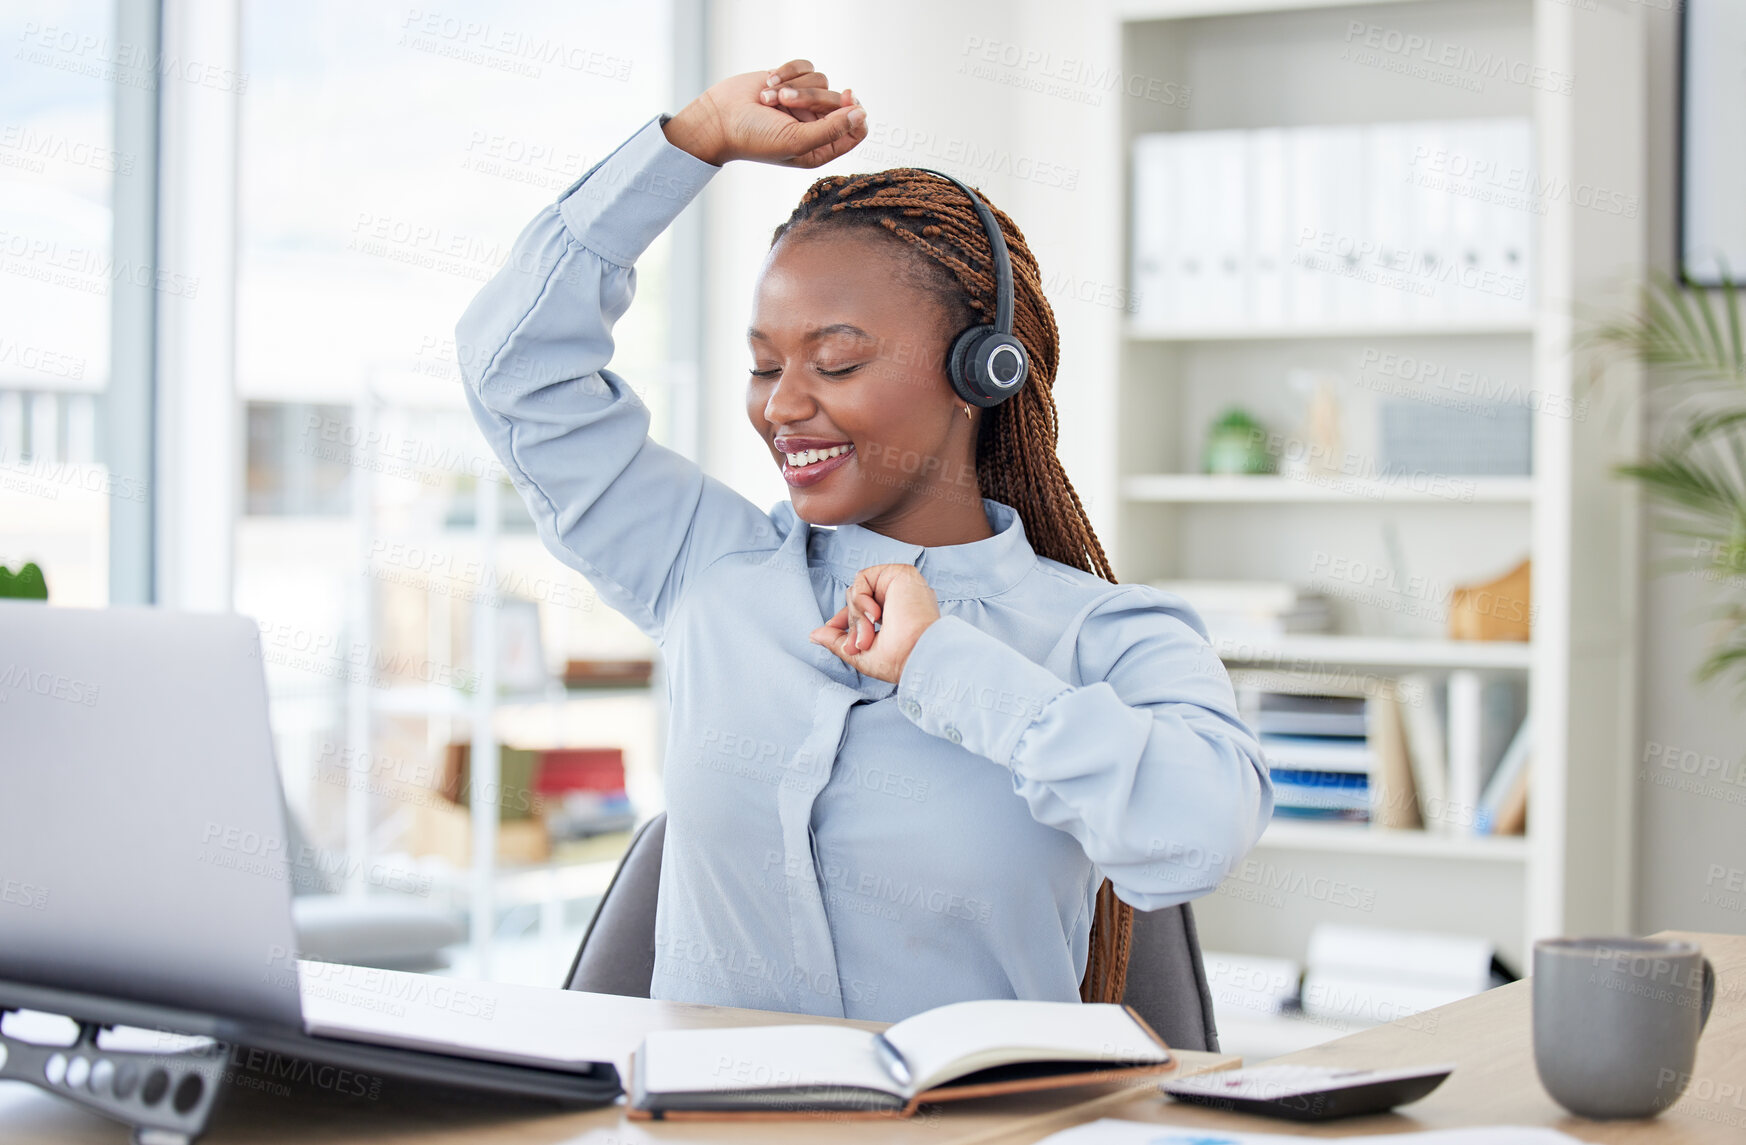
x=789 y=117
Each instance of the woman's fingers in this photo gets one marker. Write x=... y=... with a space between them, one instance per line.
x=817 y=143
x=820 y=101
x=809 y=80
x=791 y=70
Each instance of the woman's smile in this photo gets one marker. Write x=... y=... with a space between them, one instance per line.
x=805 y=469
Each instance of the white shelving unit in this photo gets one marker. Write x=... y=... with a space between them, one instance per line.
x=1329 y=331
x=1377 y=651
x=1278 y=63
x=484 y=887
x=1197 y=488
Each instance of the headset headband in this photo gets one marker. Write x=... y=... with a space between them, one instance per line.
x=1003 y=300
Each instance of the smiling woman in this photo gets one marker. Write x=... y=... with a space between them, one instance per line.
x=912 y=758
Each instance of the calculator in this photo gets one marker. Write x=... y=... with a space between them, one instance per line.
x=1307 y=1093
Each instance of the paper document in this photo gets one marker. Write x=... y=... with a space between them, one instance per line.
x=1114 y=1131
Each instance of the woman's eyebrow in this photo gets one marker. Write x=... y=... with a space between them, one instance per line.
x=756 y=335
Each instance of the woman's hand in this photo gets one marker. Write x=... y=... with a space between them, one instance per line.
x=899 y=598
x=789 y=117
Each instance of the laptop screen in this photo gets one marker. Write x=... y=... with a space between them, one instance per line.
x=143 y=848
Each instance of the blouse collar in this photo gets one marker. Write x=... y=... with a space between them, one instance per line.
x=955 y=572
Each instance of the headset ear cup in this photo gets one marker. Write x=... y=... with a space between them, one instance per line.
x=1011 y=363
x=960 y=368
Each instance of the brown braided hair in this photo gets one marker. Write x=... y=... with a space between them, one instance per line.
x=1016 y=463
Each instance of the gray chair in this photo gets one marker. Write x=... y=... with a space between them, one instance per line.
x=390 y=931
x=1166 y=982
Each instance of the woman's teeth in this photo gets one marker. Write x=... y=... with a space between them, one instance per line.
x=799 y=460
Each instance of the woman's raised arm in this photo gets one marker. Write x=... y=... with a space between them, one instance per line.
x=637 y=519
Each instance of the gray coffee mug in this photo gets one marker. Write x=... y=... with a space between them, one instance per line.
x=1616 y=1021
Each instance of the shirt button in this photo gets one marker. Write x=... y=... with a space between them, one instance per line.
x=911 y=709
x=952 y=734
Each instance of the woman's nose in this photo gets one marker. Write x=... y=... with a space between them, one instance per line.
x=789 y=401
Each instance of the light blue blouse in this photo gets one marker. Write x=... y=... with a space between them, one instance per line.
x=837 y=844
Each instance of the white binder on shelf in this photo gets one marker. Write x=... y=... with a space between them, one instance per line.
x=1225 y=154
x=1512 y=252
x=1473 y=292
x=1195 y=204
x=1311 y=291
x=1434 y=250
x=1387 y=167
x=1343 y=196
x=1156 y=211
x=1269 y=252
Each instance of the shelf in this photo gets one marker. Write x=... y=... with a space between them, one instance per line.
x=1181 y=9
x=415 y=701
x=539 y=882
x=1355 y=839
x=1195 y=488
x=1377 y=651
x=1447 y=327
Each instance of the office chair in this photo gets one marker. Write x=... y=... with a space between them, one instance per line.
x=1167 y=983
x=391 y=931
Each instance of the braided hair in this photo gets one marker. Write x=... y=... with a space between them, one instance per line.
x=1016 y=463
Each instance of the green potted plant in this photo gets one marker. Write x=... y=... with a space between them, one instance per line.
x=25 y=584
x=1237 y=443
x=1694 y=474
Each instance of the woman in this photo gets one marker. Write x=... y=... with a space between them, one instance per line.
x=904 y=752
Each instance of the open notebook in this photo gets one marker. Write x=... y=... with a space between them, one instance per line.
x=966 y=1049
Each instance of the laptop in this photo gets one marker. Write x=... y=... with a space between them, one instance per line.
x=144 y=878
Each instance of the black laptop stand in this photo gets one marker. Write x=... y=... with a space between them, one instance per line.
x=167 y=1097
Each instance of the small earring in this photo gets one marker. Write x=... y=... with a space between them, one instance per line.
x=966 y=413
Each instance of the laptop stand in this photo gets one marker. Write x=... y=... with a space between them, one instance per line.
x=166 y=1098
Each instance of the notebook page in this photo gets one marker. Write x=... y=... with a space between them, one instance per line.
x=949 y=1041
x=761 y=1057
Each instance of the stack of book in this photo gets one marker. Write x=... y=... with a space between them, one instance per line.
x=587 y=786
x=1238 y=611
x=1318 y=749
x=1469 y=738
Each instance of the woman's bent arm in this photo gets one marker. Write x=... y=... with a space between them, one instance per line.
x=1149 y=767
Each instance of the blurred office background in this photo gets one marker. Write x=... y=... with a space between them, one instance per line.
x=1322 y=273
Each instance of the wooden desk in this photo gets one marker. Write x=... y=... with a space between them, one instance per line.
x=262 y=1108
x=1489 y=1039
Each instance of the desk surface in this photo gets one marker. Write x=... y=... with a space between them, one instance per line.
x=263 y=1106
x=1489 y=1037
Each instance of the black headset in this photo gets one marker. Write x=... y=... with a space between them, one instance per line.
x=987 y=364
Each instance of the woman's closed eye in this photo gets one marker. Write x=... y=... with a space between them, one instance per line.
x=829 y=372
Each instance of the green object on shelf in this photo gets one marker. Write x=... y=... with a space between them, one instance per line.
x=1237 y=443
x=25 y=584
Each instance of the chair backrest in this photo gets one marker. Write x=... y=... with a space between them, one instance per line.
x=617 y=955
x=1167 y=983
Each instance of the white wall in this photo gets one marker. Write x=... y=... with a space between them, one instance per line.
x=906 y=61
x=1684 y=832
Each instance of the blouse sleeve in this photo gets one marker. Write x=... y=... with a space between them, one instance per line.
x=1149 y=767
x=637 y=519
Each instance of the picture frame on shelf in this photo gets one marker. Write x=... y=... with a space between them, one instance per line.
x=521 y=657
x=1712 y=119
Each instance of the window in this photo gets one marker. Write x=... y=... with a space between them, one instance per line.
x=388 y=158
x=59 y=277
